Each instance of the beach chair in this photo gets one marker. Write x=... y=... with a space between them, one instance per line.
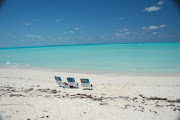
x=59 y=81
x=86 y=84
x=72 y=83
x=66 y=85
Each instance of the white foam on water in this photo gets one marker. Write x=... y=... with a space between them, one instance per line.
x=8 y=63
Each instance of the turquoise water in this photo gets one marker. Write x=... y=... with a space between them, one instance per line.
x=140 y=57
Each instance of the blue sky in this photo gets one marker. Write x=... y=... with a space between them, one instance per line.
x=65 y=22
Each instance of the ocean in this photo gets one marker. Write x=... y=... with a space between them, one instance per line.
x=110 y=58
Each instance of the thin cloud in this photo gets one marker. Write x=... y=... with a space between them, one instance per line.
x=76 y=28
x=58 y=20
x=123 y=30
x=14 y=36
x=118 y=35
x=153 y=27
x=27 y=23
x=33 y=36
x=160 y=3
x=162 y=26
x=122 y=33
x=144 y=28
x=71 y=31
x=154 y=33
x=152 y=9
x=126 y=33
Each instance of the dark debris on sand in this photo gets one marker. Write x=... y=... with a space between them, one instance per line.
x=158 y=98
x=136 y=101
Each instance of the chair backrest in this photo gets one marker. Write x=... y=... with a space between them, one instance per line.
x=69 y=79
x=84 y=80
x=57 y=78
x=86 y=85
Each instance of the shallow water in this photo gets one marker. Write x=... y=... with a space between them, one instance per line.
x=130 y=58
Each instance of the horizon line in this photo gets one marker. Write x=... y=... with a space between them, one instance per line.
x=80 y=44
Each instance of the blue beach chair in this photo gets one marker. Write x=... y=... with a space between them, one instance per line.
x=72 y=83
x=59 y=81
x=86 y=84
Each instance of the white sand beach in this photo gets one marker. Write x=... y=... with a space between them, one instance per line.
x=28 y=94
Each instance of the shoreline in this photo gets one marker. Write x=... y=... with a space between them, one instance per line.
x=86 y=71
x=27 y=92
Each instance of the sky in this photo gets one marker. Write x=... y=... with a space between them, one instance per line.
x=65 y=22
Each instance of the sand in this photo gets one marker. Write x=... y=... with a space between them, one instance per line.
x=29 y=94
